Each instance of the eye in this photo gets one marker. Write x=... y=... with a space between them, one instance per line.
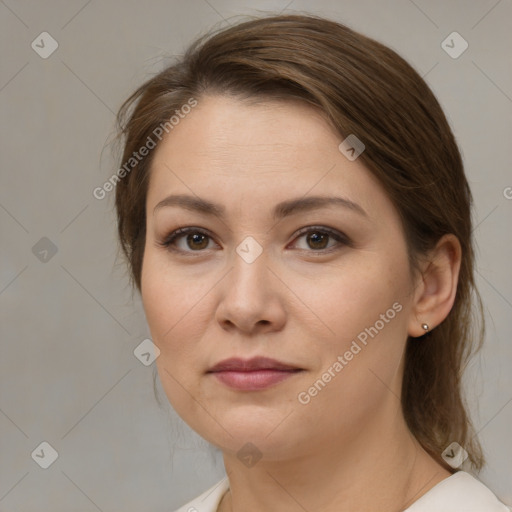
x=317 y=238
x=197 y=240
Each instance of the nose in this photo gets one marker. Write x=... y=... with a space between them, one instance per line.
x=251 y=298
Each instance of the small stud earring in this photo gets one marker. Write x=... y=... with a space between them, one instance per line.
x=424 y=327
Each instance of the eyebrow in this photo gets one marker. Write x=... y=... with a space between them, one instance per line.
x=281 y=210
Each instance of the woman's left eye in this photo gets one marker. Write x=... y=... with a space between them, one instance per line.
x=318 y=237
x=196 y=240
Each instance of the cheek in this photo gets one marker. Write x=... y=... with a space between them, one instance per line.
x=351 y=298
x=366 y=311
x=166 y=302
x=176 y=305
x=360 y=368
x=170 y=297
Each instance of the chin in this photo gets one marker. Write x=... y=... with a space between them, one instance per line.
x=230 y=431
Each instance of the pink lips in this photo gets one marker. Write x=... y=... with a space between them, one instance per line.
x=252 y=374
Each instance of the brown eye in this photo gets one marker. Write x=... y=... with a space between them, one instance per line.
x=197 y=241
x=318 y=238
x=187 y=240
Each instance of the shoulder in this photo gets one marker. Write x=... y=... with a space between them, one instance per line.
x=209 y=500
x=461 y=492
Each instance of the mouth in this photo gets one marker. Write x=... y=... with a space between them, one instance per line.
x=252 y=374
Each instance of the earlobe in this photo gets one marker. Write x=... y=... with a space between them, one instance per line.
x=436 y=294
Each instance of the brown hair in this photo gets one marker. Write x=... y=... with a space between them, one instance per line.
x=362 y=88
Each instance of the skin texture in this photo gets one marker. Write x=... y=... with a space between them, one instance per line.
x=295 y=303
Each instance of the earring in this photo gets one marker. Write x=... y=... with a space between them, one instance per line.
x=424 y=327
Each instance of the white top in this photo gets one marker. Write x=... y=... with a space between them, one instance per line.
x=460 y=492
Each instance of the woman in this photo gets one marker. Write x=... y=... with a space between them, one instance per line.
x=294 y=211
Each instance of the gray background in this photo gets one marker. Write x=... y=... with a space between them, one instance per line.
x=69 y=323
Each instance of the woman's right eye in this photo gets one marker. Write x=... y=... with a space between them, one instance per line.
x=192 y=240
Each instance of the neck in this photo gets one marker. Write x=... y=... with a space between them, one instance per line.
x=377 y=468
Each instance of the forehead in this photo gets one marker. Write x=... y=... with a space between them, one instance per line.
x=233 y=151
x=231 y=130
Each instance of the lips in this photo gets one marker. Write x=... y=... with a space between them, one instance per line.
x=254 y=364
x=253 y=374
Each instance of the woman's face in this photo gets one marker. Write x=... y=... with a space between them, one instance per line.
x=323 y=287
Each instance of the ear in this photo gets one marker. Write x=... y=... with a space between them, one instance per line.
x=435 y=292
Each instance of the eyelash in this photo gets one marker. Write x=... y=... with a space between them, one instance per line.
x=342 y=239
